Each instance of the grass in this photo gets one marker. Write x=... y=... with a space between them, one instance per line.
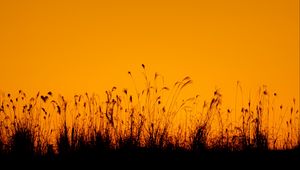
x=152 y=123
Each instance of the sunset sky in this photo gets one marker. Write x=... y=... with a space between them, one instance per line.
x=70 y=46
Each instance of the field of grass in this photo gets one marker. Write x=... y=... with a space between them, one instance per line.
x=149 y=124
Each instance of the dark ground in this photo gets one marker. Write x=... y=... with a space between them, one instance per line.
x=287 y=159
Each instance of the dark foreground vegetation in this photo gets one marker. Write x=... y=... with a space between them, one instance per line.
x=151 y=125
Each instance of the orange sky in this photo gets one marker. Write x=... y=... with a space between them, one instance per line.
x=76 y=46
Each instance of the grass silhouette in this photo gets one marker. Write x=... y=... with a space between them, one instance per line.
x=143 y=125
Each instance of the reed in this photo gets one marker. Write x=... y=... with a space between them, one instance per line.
x=154 y=118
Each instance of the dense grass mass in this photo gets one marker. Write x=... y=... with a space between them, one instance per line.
x=152 y=124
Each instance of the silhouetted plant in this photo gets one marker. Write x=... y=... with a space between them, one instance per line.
x=145 y=120
x=22 y=143
x=199 y=139
x=63 y=142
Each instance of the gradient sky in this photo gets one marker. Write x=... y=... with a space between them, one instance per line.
x=77 y=46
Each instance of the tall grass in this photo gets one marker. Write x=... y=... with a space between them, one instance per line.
x=153 y=118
